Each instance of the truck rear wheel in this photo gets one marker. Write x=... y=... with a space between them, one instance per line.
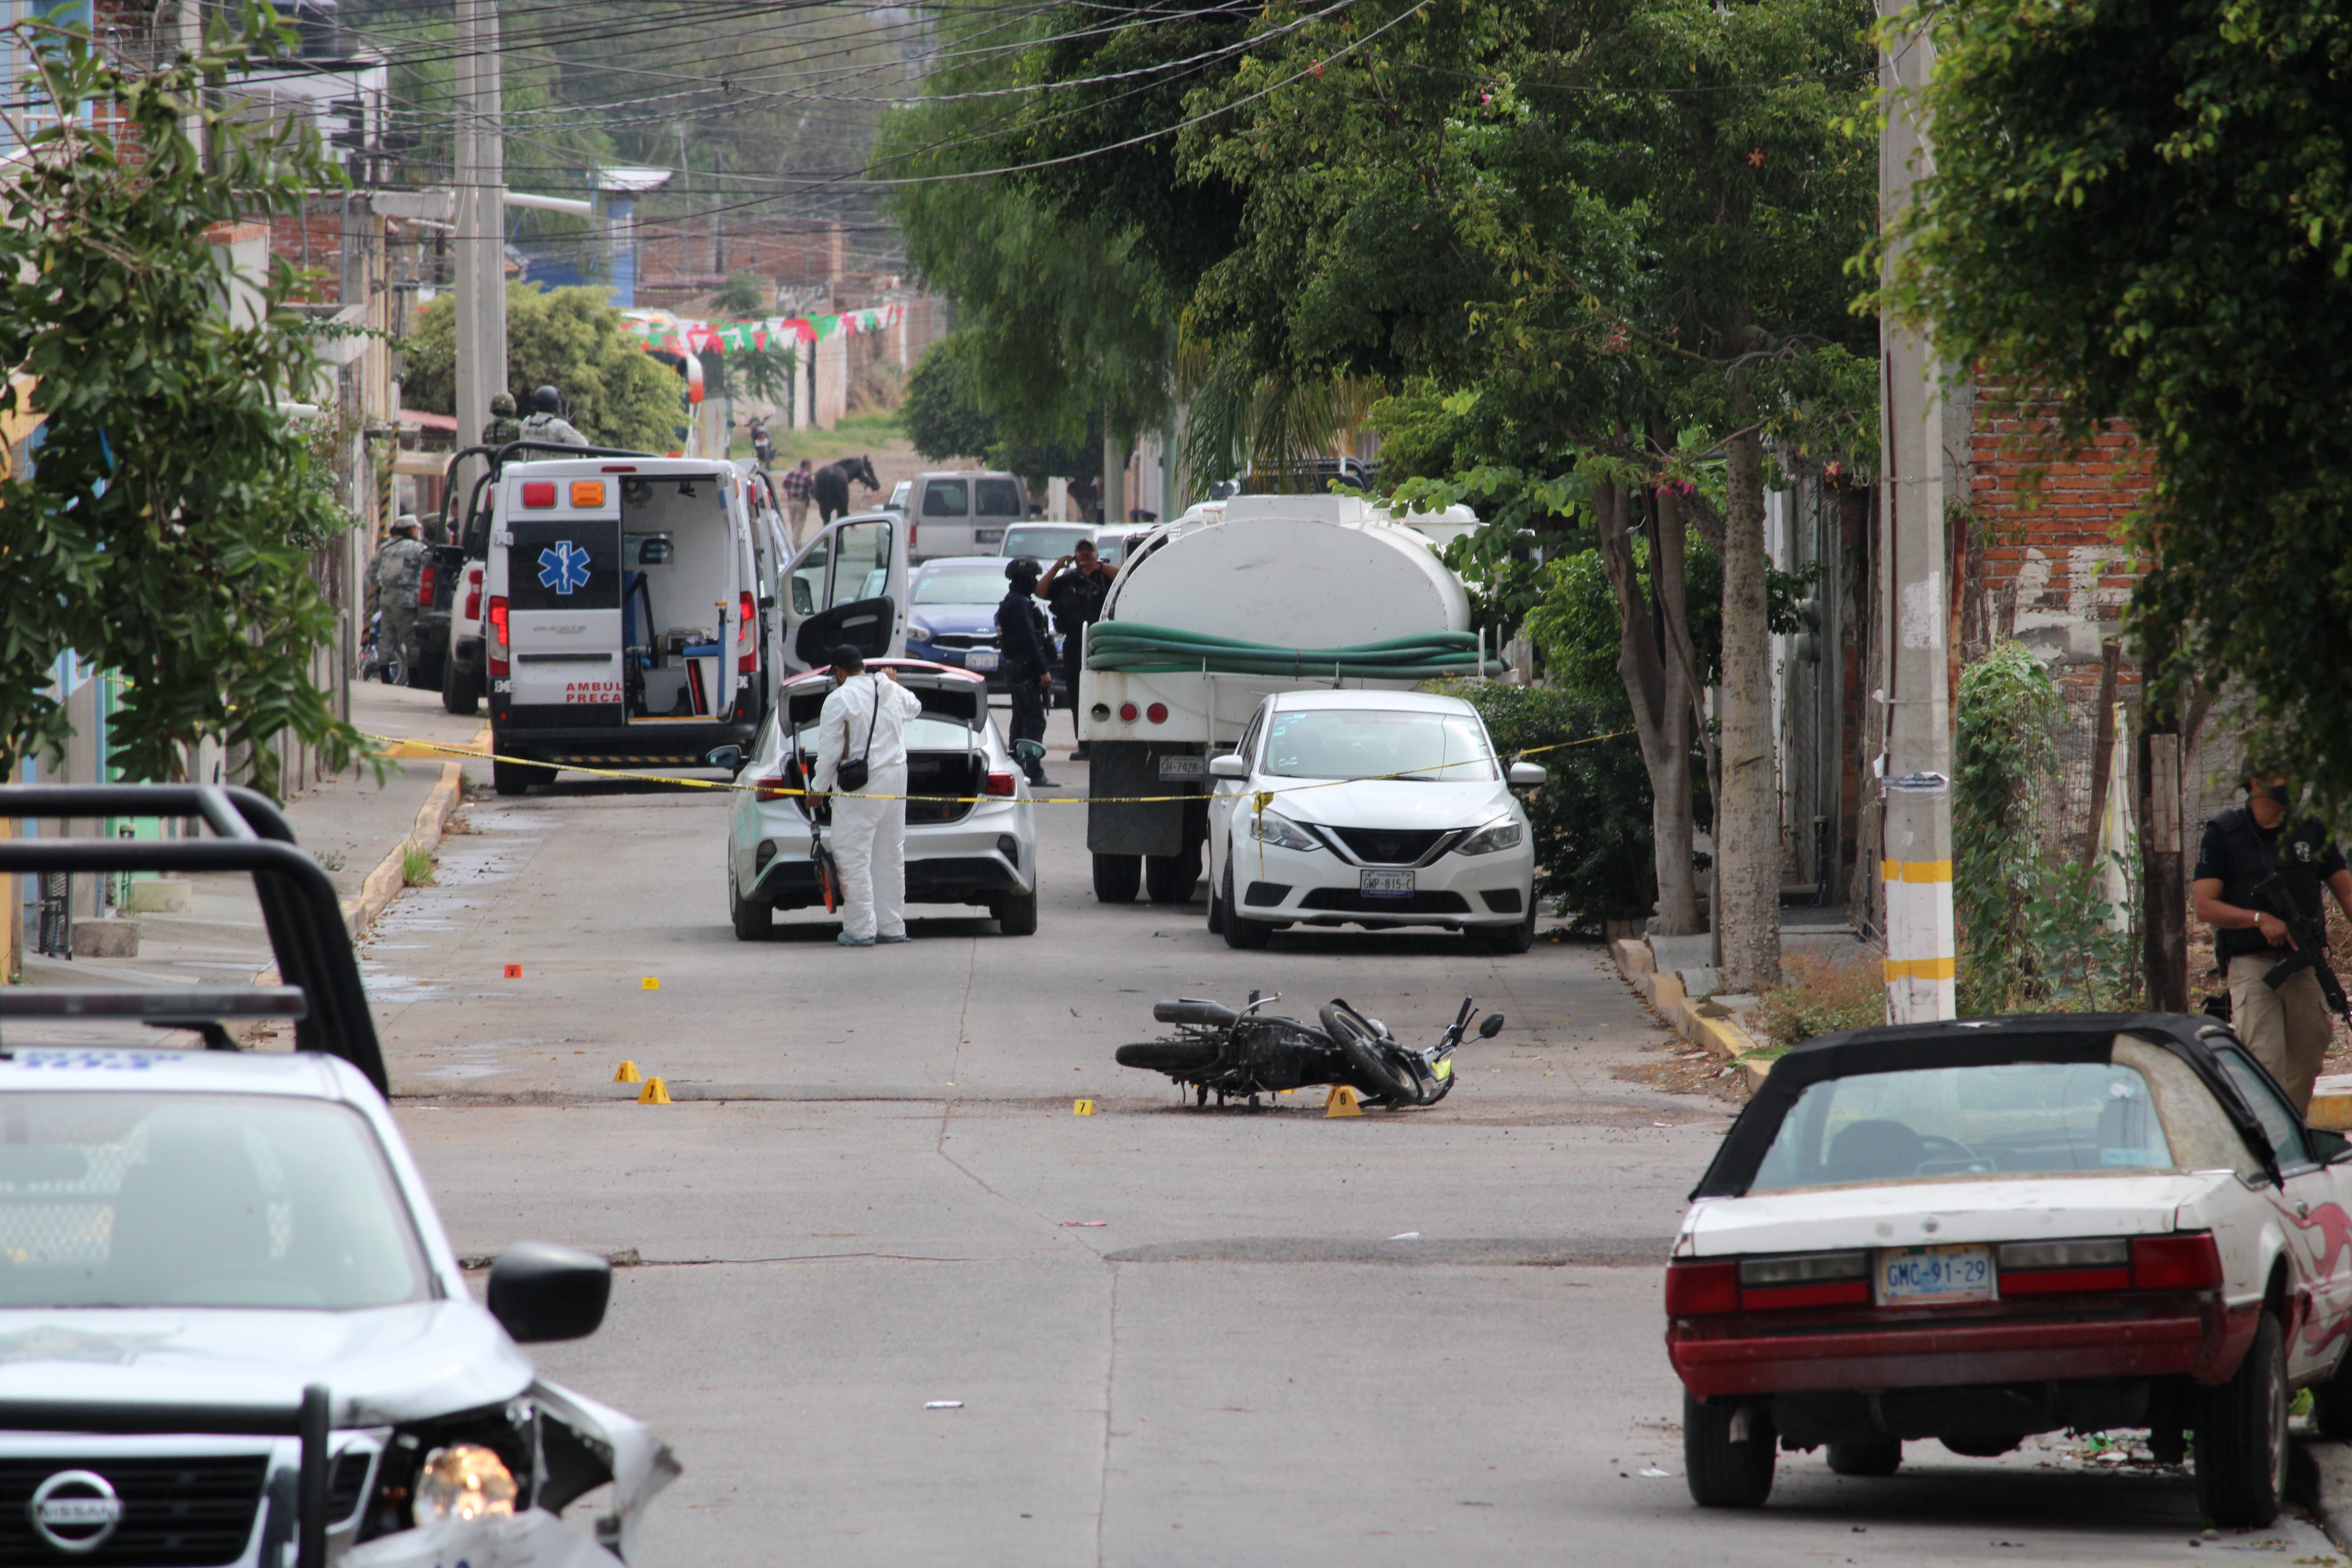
x=514 y=778
x=1117 y=878
x=461 y=689
x=1170 y=879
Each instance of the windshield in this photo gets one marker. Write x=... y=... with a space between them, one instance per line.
x=964 y=585
x=1367 y=742
x=198 y=1200
x=1048 y=543
x=2006 y=1119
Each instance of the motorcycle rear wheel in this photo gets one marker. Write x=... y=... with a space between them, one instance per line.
x=1360 y=1044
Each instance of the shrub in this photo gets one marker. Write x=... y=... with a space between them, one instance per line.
x=1820 y=995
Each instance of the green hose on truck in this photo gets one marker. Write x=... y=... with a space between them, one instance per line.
x=1133 y=648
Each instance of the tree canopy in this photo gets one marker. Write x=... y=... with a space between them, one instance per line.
x=569 y=338
x=2142 y=210
x=164 y=528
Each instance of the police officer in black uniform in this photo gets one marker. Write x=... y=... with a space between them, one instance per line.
x=1028 y=655
x=2288 y=1028
x=1075 y=587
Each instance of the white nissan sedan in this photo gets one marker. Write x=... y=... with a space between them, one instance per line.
x=1370 y=808
x=1980 y=1230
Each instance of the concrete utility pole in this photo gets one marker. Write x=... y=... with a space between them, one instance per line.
x=481 y=223
x=1916 y=859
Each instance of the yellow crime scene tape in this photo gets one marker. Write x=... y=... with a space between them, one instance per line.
x=403 y=746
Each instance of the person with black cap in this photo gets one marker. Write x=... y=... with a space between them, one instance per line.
x=546 y=422
x=1028 y=661
x=861 y=764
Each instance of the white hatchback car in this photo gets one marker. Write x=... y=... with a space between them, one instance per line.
x=1980 y=1230
x=1370 y=808
x=973 y=841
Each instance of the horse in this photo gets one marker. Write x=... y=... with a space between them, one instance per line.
x=832 y=485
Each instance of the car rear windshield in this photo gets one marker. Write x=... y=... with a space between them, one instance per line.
x=963 y=585
x=1366 y=743
x=198 y=1200
x=2005 y=1119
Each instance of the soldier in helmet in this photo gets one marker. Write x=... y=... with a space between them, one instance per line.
x=504 y=426
x=546 y=422
x=398 y=568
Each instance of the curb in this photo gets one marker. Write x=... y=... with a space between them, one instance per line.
x=2330 y=1480
x=1723 y=1035
x=389 y=877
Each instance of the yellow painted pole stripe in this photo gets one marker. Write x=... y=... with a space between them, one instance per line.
x=1920 y=968
x=1914 y=870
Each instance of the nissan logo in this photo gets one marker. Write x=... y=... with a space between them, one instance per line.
x=75 y=1510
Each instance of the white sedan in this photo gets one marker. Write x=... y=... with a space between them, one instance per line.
x=1981 y=1230
x=1370 y=808
x=971 y=834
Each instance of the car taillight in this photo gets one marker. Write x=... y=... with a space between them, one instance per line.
x=473 y=593
x=775 y=786
x=2190 y=1262
x=1695 y=1290
x=747 y=644
x=1805 y=1279
x=1156 y=712
x=912 y=530
x=1127 y=712
x=2069 y=1263
x=497 y=640
x=424 y=586
x=1001 y=784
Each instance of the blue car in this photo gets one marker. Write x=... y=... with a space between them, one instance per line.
x=952 y=620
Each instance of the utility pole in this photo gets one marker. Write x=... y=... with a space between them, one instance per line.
x=1916 y=862
x=481 y=224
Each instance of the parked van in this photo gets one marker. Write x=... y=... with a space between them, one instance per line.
x=622 y=626
x=962 y=513
x=848 y=585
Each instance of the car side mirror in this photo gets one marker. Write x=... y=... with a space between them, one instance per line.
x=1229 y=766
x=1526 y=776
x=729 y=758
x=541 y=1292
x=1491 y=1027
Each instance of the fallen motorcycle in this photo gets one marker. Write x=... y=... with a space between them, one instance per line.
x=1248 y=1053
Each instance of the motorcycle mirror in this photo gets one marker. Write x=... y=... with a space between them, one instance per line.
x=1491 y=1027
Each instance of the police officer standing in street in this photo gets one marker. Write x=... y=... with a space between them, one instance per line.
x=398 y=570
x=2287 y=1028
x=546 y=422
x=503 y=426
x=1075 y=587
x=1028 y=656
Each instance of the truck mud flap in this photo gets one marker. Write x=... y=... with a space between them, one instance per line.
x=1118 y=824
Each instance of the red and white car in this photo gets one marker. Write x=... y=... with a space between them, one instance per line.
x=1981 y=1230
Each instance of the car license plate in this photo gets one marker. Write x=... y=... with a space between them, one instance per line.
x=1387 y=884
x=980 y=660
x=1933 y=1276
x=1183 y=767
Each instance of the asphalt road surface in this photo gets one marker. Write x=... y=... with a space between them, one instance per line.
x=1177 y=1337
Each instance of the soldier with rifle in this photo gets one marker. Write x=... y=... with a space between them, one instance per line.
x=2257 y=885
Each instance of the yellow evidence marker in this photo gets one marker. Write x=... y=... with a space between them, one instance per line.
x=1343 y=1101
x=655 y=1092
x=628 y=1073
x=650 y=984
x=1082 y=1108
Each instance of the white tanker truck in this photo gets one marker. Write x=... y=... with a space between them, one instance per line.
x=1218 y=609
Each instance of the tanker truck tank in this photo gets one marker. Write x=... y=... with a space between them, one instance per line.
x=1214 y=611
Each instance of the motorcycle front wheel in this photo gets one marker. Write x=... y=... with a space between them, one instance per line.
x=1377 y=1071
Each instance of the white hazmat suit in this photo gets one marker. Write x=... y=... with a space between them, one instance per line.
x=869 y=833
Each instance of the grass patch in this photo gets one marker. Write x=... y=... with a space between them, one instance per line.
x=417 y=868
x=856 y=434
x=1820 y=995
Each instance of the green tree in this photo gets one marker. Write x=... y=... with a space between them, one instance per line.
x=2142 y=210
x=569 y=337
x=165 y=528
x=943 y=418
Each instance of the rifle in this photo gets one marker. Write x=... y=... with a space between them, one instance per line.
x=2310 y=951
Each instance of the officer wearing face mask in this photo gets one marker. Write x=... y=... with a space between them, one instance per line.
x=2288 y=1029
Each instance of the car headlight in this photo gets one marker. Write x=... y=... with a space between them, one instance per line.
x=1503 y=835
x=1273 y=827
x=919 y=631
x=464 y=1482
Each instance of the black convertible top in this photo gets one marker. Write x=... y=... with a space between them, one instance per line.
x=1970 y=1042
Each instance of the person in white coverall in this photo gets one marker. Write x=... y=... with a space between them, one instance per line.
x=866 y=717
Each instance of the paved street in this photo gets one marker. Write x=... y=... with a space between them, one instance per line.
x=1179 y=1336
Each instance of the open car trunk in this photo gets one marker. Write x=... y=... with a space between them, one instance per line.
x=947 y=756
